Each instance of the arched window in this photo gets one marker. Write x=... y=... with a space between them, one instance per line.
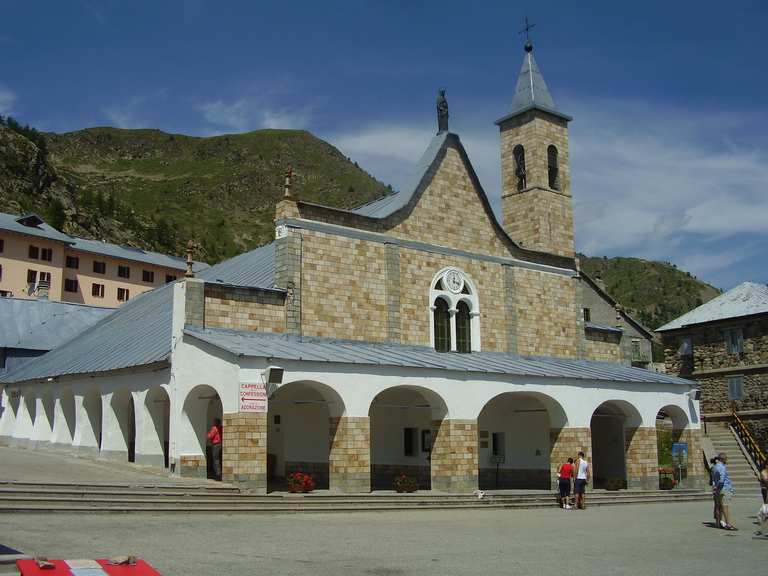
x=554 y=176
x=519 y=153
x=454 y=312
x=442 y=326
x=463 y=328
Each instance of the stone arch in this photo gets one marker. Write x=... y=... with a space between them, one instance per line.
x=404 y=422
x=515 y=440
x=300 y=431
x=157 y=429
x=671 y=426
x=201 y=406
x=612 y=428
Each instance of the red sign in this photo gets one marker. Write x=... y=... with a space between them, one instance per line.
x=253 y=397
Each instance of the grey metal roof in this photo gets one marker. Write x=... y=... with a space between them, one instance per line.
x=391 y=203
x=745 y=299
x=135 y=254
x=287 y=347
x=531 y=91
x=602 y=327
x=12 y=223
x=253 y=269
x=137 y=333
x=44 y=324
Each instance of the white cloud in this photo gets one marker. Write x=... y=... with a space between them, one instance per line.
x=251 y=113
x=7 y=99
x=127 y=114
x=655 y=183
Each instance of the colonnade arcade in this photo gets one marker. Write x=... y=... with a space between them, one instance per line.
x=516 y=440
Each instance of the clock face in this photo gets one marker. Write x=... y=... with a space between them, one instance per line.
x=453 y=281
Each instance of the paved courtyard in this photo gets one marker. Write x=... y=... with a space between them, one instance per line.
x=637 y=540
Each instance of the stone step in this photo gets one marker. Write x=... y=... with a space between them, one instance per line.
x=329 y=507
x=112 y=486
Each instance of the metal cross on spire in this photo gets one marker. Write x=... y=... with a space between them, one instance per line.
x=527 y=31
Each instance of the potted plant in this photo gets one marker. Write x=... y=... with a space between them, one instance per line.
x=405 y=483
x=300 y=482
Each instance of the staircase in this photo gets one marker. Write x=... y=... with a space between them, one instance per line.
x=743 y=476
x=46 y=498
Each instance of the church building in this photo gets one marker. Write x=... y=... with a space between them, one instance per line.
x=416 y=334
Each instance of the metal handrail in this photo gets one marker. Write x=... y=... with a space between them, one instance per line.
x=757 y=454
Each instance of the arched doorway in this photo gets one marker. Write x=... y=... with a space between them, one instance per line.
x=671 y=422
x=299 y=432
x=403 y=422
x=158 y=405
x=514 y=441
x=609 y=442
x=125 y=414
x=201 y=407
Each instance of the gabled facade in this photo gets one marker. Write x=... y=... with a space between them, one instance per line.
x=723 y=345
x=414 y=334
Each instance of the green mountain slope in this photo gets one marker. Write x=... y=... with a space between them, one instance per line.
x=653 y=292
x=155 y=190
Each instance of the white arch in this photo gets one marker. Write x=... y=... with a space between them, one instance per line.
x=453 y=295
x=198 y=410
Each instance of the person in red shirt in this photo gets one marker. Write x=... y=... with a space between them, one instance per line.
x=214 y=438
x=564 y=475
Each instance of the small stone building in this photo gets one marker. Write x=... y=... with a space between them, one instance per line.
x=723 y=345
x=414 y=334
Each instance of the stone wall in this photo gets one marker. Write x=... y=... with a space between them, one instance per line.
x=698 y=477
x=343 y=288
x=546 y=314
x=244 y=449
x=454 y=455
x=244 y=309
x=194 y=466
x=567 y=443
x=603 y=346
x=538 y=217
x=642 y=458
x=350 y=457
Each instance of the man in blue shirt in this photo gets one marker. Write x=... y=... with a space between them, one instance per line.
x=723 y=490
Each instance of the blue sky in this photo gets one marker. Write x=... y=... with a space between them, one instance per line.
x=669 y=153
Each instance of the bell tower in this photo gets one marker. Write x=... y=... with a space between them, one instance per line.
x=536 y=202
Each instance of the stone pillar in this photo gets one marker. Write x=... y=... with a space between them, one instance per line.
x=85 y=439
x=454 y=455
x=288 y=276
x=113 y=445
x=149 y=446
x=41 y=430
x=641 y=449
x=567 y=443
x=244 y=450
x=697 y=473
x=349 y=462
x=61 y=433
x=194 y=302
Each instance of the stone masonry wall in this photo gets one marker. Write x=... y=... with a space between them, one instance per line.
x=642 y=458
x=454 y=455
x=343 y=288
x=567 y=443
x=602 y=346
x=244 y=309
x=538 y=217
x=450 y=213
x=244 y=449
x=350 y=456
x=546 y=314
x=416 y=272
x=193 y=466
x=697 y=473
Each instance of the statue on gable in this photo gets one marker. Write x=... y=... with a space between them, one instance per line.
x=442 y=112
